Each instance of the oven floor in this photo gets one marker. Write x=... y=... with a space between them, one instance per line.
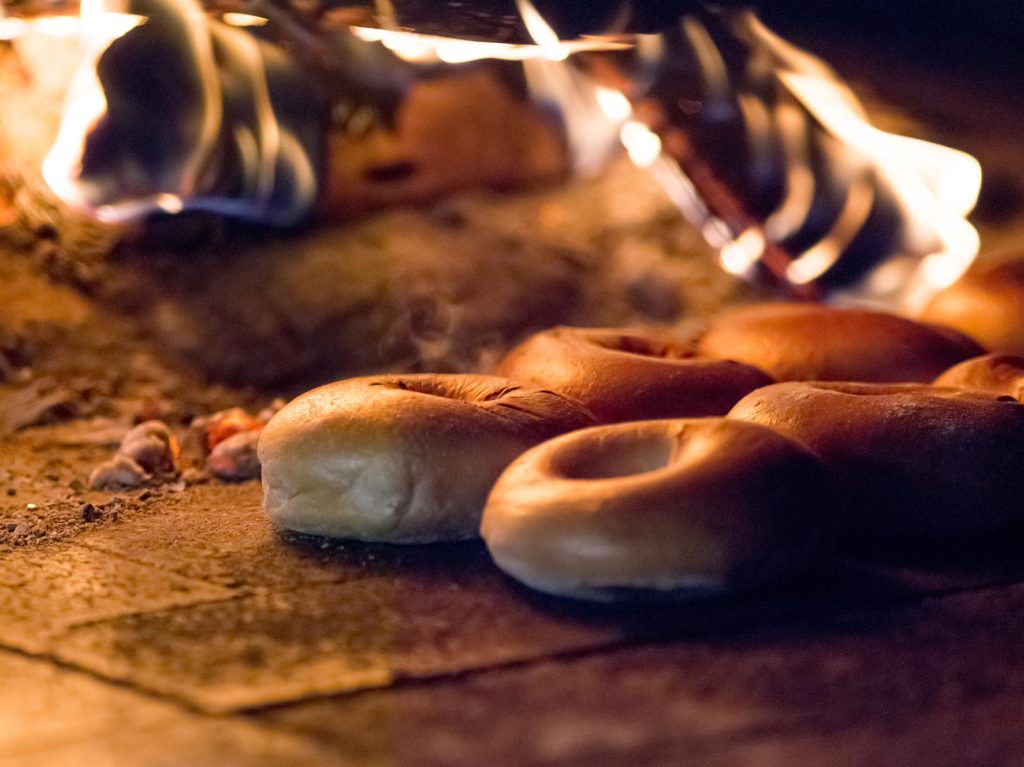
x=174 y=627
x=187 y=632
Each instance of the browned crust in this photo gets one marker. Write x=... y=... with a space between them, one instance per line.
x=1001 y=375
x=807 y=342
x=917 y=462
x=987 y=304
x=631 y=375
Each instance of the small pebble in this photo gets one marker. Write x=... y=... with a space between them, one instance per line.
x=235 y=459
x=90 y=513
x=153 y=447
x=119 y=471
x=224 y=425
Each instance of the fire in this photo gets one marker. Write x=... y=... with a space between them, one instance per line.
x=934 y=187
x=94 y=25
x=223 y=116
x=97 y=28
x=794 y=194
x=427 y=49
x=244 y=20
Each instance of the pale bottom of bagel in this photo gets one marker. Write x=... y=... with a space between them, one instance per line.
x=374 y=504
x=680 y=586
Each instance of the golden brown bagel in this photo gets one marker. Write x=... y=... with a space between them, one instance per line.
x=687 y=507
x=987 y=304
x=631 y=375
x=804 y=342
x=402 y=458
x=1001 y=375
x=917 y=462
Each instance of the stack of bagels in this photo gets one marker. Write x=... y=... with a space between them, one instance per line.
x=603 y=464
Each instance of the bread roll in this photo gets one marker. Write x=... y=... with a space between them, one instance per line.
x=402 y=459
x=685 y=508
x=805 y=342
x=916 y=462
x=987 y=304
x=1001 y=375
x=631 y=375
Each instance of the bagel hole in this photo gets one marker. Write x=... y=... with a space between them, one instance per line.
x=645 y=347
x=619 y=457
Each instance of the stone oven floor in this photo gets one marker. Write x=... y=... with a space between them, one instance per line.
x=183 y=631
x=173 y=626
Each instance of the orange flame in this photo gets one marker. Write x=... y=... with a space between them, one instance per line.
x=934 y=186
x=97 y=27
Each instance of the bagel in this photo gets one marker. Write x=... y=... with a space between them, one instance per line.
x=805 y=342
x=916 y=462
x=631 y=375
x=402 y=459
x=1001 y=375
x=987 y=304
x=685 y=508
